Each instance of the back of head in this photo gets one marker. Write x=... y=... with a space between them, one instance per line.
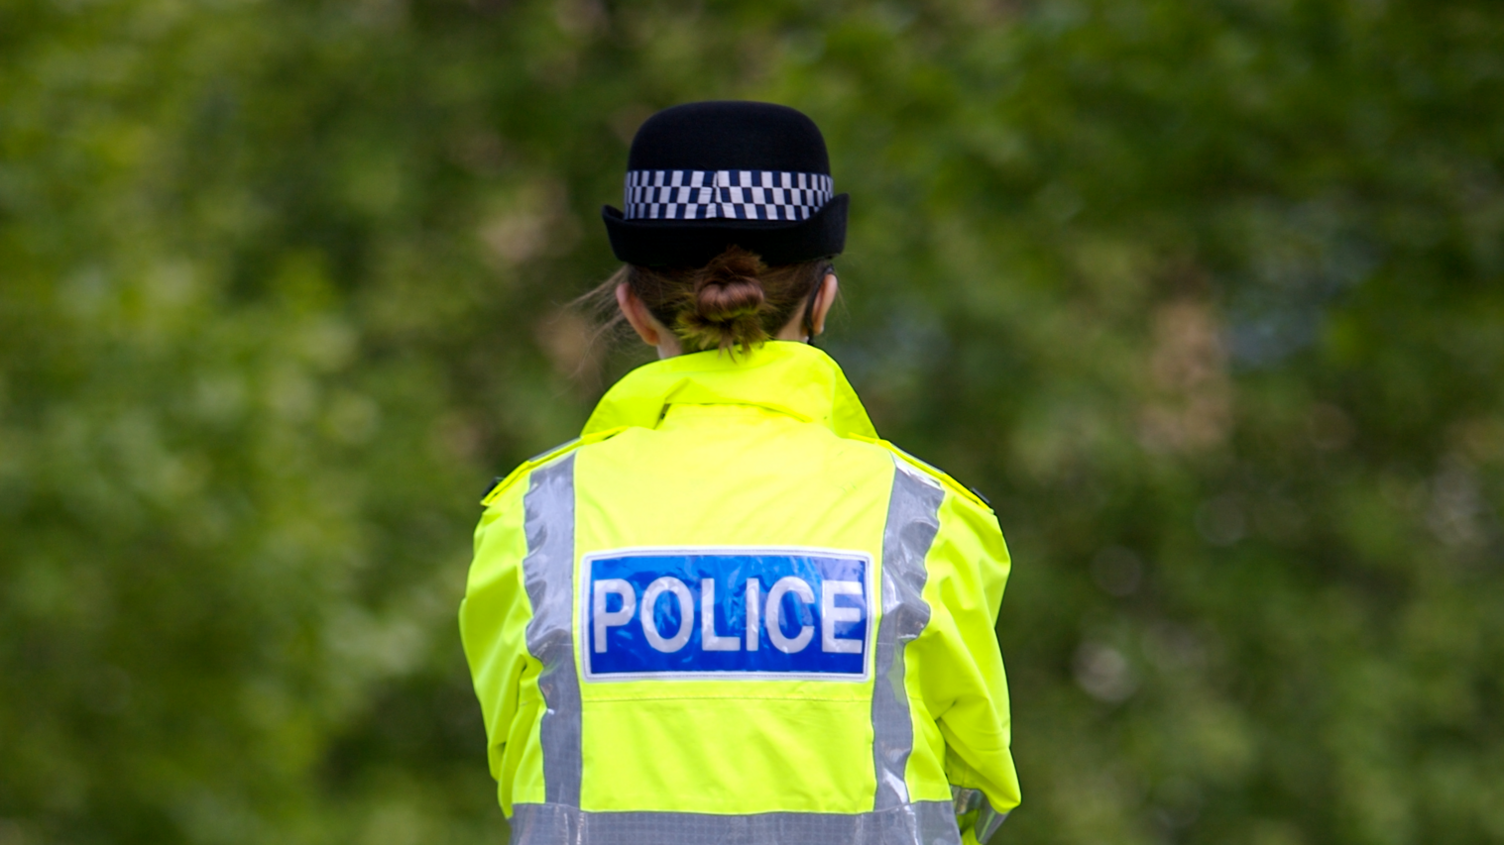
x=735 y=301
x=730 y=220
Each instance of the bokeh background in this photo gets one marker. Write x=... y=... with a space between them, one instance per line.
x=1204 y=295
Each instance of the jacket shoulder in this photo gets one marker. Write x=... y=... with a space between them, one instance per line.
x=939 y=475
x=505 y=483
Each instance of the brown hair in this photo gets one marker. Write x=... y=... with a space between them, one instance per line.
x=734 y=301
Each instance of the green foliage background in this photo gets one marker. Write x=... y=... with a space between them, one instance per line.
x=1204 y=294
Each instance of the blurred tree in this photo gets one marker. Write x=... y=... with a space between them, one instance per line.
x=1204 y=295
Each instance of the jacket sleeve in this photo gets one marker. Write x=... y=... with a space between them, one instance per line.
x=962 y=677
x=493 y=624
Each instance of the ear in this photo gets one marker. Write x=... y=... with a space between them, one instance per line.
x=637 y=315
x=829 y=287
x=644 y=323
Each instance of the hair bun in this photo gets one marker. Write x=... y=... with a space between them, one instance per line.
x=728 y=301
x=727 y=289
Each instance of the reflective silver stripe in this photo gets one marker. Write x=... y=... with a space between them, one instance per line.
x=913 y=520
x=922 y=823
x=988 y=821
x=548 y=571
x=966 y=800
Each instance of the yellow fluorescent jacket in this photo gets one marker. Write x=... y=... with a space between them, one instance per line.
x=769 y=461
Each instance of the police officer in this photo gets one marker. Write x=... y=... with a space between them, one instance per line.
x=729 y=613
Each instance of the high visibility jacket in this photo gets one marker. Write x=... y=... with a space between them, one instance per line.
x=729 y=613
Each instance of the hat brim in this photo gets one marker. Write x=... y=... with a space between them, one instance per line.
x=693 y=243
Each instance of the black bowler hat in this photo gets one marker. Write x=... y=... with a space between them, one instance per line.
x=704 y=176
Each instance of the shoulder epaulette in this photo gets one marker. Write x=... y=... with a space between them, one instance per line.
x=936 y=473
x=540 y=459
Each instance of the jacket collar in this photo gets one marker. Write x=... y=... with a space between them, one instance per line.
x=784 y=376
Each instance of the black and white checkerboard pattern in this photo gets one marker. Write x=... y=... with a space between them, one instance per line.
x=732 y=194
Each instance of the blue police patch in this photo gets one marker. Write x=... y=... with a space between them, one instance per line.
x=726 y=613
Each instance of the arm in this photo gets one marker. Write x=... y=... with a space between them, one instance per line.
x=961 y=665
x=493 y=623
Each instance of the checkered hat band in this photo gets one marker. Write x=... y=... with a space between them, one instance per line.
x=730 y=194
